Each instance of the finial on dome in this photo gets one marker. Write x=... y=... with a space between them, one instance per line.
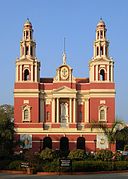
x=27 y=22
x=101 y=22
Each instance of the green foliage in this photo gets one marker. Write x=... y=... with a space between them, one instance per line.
x=117 y=156
x=52 y=166
x=126 y=148
x=47 y=154
x=61 y=154
x=31 y=158
x=111 y=133
x=8 y=109
x=15 y=165
x=77 y=154
x=6 y=133
x=104 y=155
x=120 y=165
x=91 y=166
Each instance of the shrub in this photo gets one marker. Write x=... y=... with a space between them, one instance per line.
x=77 y=154
x=91 y=166
x=31 y=157
x=4 y=164
x=120 y=165
x=15 y=165
x=51 y=166
x=118 y=156
x=47 y=154
x=126 y=148
x=104 y=155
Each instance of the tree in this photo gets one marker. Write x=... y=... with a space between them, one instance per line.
x=122 y=138
x=111 y=133
x=6 y=133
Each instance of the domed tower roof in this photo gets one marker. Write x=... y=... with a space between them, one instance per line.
x=101 y=23
x=27 y=23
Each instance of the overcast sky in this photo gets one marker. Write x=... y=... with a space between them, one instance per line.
x=53 y=20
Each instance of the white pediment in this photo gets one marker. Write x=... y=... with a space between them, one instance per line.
x=25 y=60
x=64 y=90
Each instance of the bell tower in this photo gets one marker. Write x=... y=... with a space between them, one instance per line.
x=27 y=66
x=101 y=65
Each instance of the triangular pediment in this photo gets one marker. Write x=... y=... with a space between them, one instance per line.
x=64 y=90
x=25 y=60
x=101 y=60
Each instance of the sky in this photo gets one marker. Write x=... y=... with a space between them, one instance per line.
x=75 y=20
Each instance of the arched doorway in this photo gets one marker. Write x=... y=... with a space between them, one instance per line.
x=47 y=143
x=81 y=143
x=64 y=144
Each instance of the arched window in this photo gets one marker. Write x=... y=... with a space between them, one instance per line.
x=102 y=75
x=81 y=143
x=26 y=115
x=64 y=144
x=103 y=113
x=26 y=75
x=47 y=143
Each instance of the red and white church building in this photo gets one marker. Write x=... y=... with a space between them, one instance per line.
x=57 y=112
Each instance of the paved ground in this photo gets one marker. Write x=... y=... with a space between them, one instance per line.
x=90 y=176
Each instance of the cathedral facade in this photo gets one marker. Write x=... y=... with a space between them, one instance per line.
x=58 y=112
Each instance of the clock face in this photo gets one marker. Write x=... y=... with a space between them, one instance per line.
x=64 y=73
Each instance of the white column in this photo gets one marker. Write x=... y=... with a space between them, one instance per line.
x=32 y=73
x=91 y=73
x=36 y=72
x=96 y=73
x=86 y=110
x=108 y=73
x=16 y=73
x=53 y=110
x=70 y=101
x=74 y=105
x=94 y=50
x=57 y=110
x=41 y=110
x=112 y=73
x=20 y=72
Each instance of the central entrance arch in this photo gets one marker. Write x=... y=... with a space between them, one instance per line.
x=64 y=144
x=81 y=143
x=47 y=143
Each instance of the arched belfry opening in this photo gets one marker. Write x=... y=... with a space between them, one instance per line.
x=26 y=75
x=102 y=75
x=81 y=143
x=47 y=143
x=64 y=144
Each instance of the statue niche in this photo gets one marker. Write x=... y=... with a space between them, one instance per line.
x=64 y=112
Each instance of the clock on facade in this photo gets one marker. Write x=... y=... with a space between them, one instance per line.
x=64 y=73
